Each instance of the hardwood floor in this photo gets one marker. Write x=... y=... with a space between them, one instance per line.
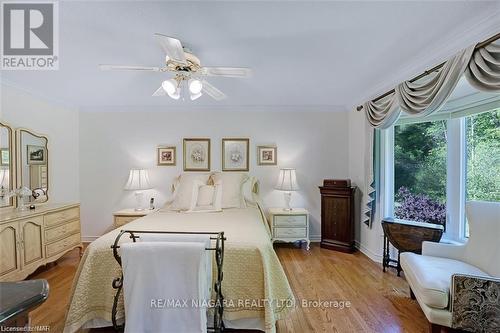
x=379 y=302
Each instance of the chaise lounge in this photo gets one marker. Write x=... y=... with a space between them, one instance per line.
x=458 y=286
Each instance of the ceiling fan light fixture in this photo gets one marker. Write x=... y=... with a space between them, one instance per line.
x=195 y=86
x=175 y=95
x=195 y=96
x=170 y=86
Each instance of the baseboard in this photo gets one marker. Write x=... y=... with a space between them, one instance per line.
x=370 y=254
x=89 y=239
x=315 y=238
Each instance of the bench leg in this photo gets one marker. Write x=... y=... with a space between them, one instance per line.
x=434 y=328
x=412 y=295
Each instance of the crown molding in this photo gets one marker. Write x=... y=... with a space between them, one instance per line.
x=215 y=108
x=436 y=53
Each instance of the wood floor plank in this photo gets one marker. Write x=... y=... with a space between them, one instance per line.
x=379 y=301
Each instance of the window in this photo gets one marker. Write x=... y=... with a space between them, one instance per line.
x=483 y=157
x=431 y=168
x=420 y=152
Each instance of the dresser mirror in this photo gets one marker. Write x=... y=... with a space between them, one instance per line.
x=33 y=164
x=6 y=166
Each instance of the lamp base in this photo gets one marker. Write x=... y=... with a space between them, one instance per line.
x=139 y=198
x=288 y=197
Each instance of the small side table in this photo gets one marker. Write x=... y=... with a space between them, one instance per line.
x=290 y=226
x=125 y=216
x=407 y=236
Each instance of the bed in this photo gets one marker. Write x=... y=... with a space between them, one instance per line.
x=255 y=286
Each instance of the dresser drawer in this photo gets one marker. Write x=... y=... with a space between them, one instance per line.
x=290 y=220
x=121 y=220
x=290 y=232
x=57 y=218
x=62 y=245
x=62 y=231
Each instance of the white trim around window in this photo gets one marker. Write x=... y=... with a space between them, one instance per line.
x=455 y=174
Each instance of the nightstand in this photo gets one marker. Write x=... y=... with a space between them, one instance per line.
x=289 y=226
x=125 y=216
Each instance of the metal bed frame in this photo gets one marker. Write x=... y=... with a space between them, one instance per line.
x=218 y=323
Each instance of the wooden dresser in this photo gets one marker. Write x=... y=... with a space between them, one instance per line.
x=30 y=239
x=337 y=216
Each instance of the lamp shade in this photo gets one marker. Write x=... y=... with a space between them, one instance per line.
x=287 y=180
x=138 y=179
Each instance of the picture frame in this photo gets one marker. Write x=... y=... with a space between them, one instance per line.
x=166 y=156
x=196 y=154
x=235 y=154
x=267 y=155
x=36 y=155
x=4 y=156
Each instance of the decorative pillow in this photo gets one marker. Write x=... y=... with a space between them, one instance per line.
x=206 y=198
x=248 y=188
x=232 y=182
x=184 y=191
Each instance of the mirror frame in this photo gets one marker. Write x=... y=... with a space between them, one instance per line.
x=19 y=160
x=12 y=167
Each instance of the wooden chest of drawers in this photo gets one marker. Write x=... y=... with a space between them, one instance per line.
x=30 y=239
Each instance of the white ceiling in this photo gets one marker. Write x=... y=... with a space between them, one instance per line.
x=302 y=53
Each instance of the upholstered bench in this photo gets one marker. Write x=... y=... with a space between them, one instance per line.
x=446 y=277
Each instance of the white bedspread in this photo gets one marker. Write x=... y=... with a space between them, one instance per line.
x=254 y=285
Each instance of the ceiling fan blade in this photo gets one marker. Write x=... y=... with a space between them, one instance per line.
x=159 y=92
x=226 y=71
x=128 y=68
x=172 y=47
x=213 y=92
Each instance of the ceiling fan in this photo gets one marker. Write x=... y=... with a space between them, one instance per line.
x=189 y=75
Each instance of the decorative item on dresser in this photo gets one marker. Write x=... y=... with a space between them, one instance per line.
x=289 y=225
x=30 y=239
x=125 y=216
x=337 y=215
x=407 y=236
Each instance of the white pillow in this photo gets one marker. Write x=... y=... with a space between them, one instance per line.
x=248 y=191
x=184 y=191
x=232 y=196
x=206 y=198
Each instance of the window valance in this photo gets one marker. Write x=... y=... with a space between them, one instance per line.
x=423 y=97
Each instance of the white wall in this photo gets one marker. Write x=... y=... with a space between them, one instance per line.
x=60 y=124
x=111 y=143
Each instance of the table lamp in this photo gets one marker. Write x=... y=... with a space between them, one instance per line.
x=138 y=181
x=287 y=182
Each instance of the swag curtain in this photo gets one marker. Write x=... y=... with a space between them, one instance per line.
x=426 y=96
x=483 y=72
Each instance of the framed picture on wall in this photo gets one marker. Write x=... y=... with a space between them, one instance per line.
x=235 y=154
x=267 y=155
x=166 y=156
x=196 y=154
x=36 y=154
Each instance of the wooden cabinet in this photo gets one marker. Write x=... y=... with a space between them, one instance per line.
x=9 y=248
x=30 y=239
x=337 y=218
